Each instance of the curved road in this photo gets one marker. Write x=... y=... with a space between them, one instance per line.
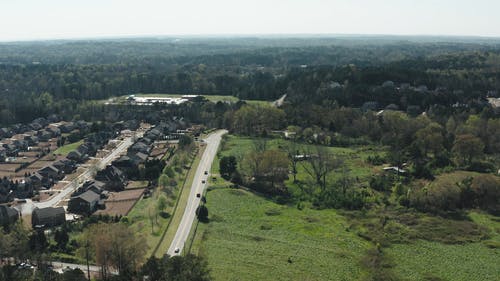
x=189 y=215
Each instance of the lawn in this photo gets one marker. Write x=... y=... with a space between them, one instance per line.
x=252 y=238
x=65 y=149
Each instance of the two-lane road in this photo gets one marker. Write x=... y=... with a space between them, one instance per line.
x=189 y=215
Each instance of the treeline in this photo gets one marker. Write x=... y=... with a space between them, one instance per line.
x=266 y=51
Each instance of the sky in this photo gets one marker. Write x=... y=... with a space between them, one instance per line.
x=63 y=19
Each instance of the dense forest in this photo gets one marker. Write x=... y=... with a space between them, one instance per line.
x=49 y=77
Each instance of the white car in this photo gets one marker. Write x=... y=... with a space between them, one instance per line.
x=177 y=250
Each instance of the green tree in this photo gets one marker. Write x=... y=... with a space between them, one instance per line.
x=202 y=213
x=430 y=138
x=227 y=166
x=185 y=141
x=467 y=147
x=179 y=268
x=61 y=237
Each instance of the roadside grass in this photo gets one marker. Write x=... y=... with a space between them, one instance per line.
x=139 y=219
x=181 y=205
x=65 y=149
x=252 y=238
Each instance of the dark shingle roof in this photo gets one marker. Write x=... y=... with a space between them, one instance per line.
x=48 y=212
x=89 y=196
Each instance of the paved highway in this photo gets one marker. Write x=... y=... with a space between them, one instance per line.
x=28 y=207
x=189 y=215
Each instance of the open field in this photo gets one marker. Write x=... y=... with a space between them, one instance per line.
x=64 y=150
x=424 y=260
x=248 y=235
x=252 y=238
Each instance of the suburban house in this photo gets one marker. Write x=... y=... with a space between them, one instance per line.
x=140 y=147
x=85 y=203
x=48 y=217
x=54 y=131
x=44 y=135
x=8 y=215
x=76 y=156
x=3 y=154
x=95 y=186
x=113 y=178
x=31 y=140
x=67 y=127
x=5 y=133
x=23 y=189
x=65 y=165
x=51 y=172
x=37 y=180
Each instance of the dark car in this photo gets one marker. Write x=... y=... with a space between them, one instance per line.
x=203 y=181
x=206 y=172
x=198 y=195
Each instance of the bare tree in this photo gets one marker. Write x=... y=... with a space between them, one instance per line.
x=320 y=162
x=292 y=150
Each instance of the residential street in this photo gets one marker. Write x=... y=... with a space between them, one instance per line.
x=28 y=207
x=189 y=215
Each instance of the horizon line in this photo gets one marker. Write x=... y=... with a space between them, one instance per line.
x=244 y=35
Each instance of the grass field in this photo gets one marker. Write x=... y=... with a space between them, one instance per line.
x=65 y=149
x=252 y=238
x=424 y=260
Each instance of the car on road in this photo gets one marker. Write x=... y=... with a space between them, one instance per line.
x=177 y=250
x=203 y=181
x=206 y=172
x=198 y=195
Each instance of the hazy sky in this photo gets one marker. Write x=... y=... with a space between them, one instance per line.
x=43 y=19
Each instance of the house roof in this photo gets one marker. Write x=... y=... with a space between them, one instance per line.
x=7 y=212
x=50 y=168
x=36 y=176
x=141 y=156
x=89 y=196
x=48 y=212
